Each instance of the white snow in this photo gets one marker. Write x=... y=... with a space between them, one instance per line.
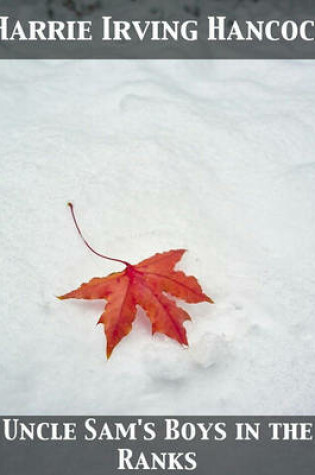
x=216 y=157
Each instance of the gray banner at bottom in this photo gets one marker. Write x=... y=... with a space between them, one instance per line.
x=95 y=445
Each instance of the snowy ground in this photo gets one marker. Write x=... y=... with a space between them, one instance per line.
x=217 y=157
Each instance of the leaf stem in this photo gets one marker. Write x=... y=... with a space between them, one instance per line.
x=87 y=244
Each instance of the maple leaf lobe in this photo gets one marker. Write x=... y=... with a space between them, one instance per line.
x=144 y=284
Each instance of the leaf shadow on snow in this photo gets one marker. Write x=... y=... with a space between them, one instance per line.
x=82 y=308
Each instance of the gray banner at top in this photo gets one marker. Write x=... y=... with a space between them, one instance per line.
x=156 y=29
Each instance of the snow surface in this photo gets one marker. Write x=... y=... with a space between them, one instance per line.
x=216 y=157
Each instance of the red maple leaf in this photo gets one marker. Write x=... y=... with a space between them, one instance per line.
x=145 y=284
